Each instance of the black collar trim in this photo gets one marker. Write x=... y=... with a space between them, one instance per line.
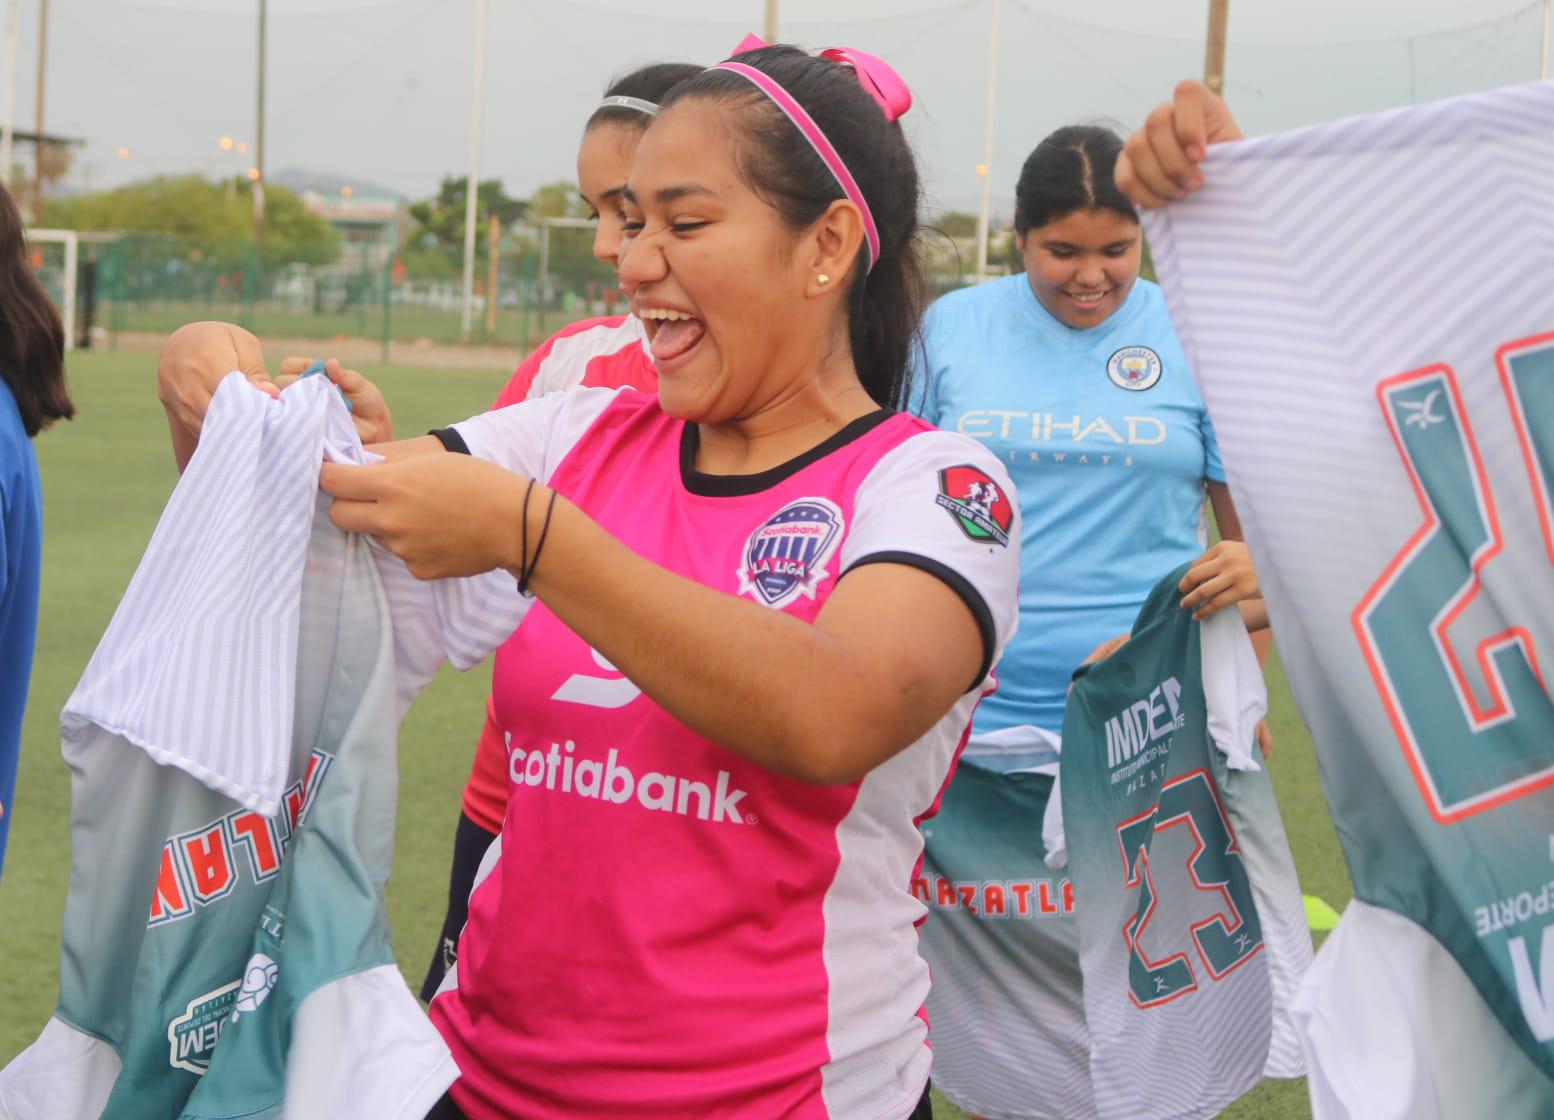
x=734 y=485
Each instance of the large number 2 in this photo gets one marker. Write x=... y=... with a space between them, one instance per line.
x=1465 y=756
x=1225 y=939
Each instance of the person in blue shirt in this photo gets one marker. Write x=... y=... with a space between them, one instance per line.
x=32 y=396
x=1072 y=374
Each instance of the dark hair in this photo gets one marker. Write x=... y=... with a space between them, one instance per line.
x=1073 y=169
x=885 y=304
x=32 y=339
x=650 y=83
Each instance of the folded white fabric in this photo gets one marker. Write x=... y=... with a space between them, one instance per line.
x=197 y=666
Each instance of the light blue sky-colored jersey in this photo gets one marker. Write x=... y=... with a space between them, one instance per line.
x=1108 y=443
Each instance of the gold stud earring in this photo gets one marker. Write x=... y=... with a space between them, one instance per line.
x=823 y=278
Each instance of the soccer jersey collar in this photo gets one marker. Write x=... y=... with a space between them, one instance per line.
x=734 y=485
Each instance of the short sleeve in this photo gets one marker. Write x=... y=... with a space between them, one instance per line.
x=1213 y=469
x=941 y=503
x=532 y=437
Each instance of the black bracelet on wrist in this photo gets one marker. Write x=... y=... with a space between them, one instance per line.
x=550 y=508
x=523 y=542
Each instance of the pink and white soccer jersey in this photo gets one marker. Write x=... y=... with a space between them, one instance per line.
x=607 y=353
x=681 y=932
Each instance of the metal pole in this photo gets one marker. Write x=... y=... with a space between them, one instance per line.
x=544 y=277
x=1214 y=52
x=72 y=263
x=1543 y=49
x=37 y=147
x=259 y=146
x=771 y=21
x=9 y=123
x=388 y=305
x=985 y=169
x=473 y=183
x=493 y=242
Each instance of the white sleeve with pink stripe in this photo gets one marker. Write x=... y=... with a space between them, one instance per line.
x=941 y=502
x=531 y=437
x=566 y=366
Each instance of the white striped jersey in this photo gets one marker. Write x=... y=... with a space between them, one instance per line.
x=1366 y=304
x=214 y=606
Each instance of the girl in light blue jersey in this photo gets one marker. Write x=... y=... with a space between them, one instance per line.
x=1072 y=374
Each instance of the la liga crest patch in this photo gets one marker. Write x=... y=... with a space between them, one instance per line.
x=978 y=504
x=786 y=556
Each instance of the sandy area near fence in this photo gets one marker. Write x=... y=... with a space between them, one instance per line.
x=362 y=351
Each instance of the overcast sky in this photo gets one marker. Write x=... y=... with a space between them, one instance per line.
x=381 y=89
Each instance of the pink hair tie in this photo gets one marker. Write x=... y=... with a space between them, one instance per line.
x=878 y=78
x=817 y=138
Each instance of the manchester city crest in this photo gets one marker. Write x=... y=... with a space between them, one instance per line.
x=1134 y=368
x=786 y=556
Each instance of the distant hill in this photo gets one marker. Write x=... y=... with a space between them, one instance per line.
x=297 y=180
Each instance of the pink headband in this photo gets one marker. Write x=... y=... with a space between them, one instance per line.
x=878 y=79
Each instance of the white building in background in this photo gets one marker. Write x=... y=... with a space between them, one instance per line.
x=370 y=217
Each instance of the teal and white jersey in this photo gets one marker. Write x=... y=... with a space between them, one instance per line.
x=221 y=961
x=1367 y=307
x=1192 y=929
x=1107 y=441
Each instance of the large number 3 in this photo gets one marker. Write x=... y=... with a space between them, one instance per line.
x=1466 y=756
x=1225 y=939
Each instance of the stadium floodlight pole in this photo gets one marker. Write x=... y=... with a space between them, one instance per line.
x=472 y=184
x=985 y=168
x=1214 y=51
x=1543 y=50
x=37 y=144
x=8 y=136
x=258 y=179
x=771 y=21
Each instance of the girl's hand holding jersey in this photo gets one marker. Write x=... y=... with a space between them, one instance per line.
x=1221 y=576
x=1160 y=161
x=369 y=410
x=197 y=357
x=194 y=360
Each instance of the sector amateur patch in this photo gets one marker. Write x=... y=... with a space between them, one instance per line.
x=978 y=505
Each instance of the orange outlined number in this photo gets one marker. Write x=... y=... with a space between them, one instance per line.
x=1466 y=755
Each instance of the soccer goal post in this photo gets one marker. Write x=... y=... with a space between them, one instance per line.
x=56 y=257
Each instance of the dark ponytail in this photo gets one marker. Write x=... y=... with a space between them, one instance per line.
x=32 y=339
x=647 y=83
x=885 y=304
x=1073 y=169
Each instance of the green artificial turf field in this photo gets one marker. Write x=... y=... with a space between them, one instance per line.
x=106 y=476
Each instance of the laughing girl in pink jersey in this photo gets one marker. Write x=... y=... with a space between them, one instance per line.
x=767 y=606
